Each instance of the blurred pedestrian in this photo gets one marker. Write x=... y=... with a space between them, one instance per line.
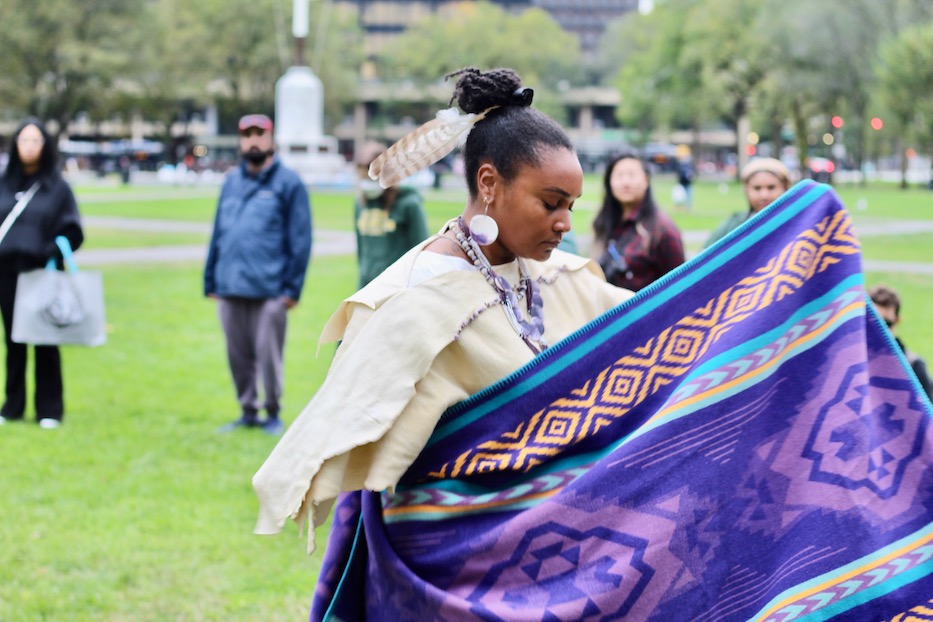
x=888 y=305
x=389 y=221
x=256 y=264
x=764 y=180
x=685 y=175
x=50 y=211
x=635 y=242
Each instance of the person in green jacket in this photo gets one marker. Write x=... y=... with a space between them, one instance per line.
x=389 y=221
x=764 y=180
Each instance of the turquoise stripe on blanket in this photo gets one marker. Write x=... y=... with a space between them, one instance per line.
x=740 y=441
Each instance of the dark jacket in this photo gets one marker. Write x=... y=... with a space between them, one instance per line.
x=51 y=212
x=920 y=368
x=261 y=242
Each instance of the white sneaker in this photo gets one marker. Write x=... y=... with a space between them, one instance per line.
x=2 y=419
x=49 y=424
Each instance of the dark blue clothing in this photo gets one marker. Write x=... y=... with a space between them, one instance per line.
x=261 y=242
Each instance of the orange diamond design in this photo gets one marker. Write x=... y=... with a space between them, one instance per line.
x=623 y=384
x=558 y=428
x=801 y=257
x=683 y=345
x=488 y=463
x=743 y=300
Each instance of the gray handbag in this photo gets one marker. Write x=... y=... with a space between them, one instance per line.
x=55 y=307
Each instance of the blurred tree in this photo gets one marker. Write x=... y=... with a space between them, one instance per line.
x=821 y=65
x=905 y=68
x=726 y=46
x=171 y=66
x=232 y=52
x=484 y=35
x=687 y=63
x=661 y=85
x=63 y=56
x=336 y=54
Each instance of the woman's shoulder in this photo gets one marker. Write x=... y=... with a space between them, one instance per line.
x=395 y=282
x=664 y=226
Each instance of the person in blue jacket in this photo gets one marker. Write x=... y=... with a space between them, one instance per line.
x=256 y=264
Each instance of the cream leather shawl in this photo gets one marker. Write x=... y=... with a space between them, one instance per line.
x=405 y=357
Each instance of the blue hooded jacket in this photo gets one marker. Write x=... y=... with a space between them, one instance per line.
x=261 y=242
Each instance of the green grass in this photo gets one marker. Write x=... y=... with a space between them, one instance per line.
x=914 y=247
x=333 y=209
x=138 y=511
x=101 y=237
x=151 y=203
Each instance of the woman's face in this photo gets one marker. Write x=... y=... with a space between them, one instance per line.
x=533 y=211
x=762 y=188
x=29 y=144
x=628 y=181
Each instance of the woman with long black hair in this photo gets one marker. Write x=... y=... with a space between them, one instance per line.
x=635 y=242
x=29 y=244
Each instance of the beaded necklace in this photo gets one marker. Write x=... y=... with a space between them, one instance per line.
x=531 y=330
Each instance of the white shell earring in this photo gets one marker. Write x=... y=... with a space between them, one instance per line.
x=483 y=228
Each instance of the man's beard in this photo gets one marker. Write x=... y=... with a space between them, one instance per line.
x=256 y=156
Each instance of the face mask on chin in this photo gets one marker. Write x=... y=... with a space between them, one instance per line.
x=370 y=189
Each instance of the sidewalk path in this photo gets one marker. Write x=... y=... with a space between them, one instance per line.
x=329 y=242
x=325 y=243
x=144 y=224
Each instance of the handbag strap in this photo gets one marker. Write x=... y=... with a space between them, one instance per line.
x=17 y=210
x=68 y=258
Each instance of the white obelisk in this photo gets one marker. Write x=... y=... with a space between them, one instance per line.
x=299 y=114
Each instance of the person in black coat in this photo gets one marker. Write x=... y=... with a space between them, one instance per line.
x=28 y=245
x=888 y=304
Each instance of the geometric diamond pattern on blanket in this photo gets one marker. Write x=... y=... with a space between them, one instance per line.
x=661 y=360
x=535 y=563
x=743 y=441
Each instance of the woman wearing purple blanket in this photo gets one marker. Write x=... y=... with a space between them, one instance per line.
x=456 y=314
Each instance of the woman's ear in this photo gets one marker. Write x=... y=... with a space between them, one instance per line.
x=486 y=179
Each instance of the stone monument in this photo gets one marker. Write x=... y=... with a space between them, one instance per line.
x=299 y=116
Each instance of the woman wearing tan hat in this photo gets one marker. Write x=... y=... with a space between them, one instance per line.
x=764 y=180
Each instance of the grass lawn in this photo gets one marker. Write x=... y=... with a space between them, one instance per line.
x=138 y=511
x=104 y=237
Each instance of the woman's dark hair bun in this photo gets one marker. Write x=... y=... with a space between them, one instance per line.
x=478 y=90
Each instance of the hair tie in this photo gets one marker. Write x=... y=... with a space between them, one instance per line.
x=522 y=96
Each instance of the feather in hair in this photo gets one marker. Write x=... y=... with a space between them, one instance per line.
x=423 y=146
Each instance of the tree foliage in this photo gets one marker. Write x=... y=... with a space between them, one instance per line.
x=484 y=35
x=905 y=64
x=686 y=64
x=63 y=56
x=697 y=62
x=163 y=59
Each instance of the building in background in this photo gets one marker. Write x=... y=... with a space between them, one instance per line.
x=386 y=112
x=382 y=20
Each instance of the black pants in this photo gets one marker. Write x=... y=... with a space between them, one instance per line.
x=48 y=398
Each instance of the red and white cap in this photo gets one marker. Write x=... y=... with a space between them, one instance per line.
x=255 y=120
